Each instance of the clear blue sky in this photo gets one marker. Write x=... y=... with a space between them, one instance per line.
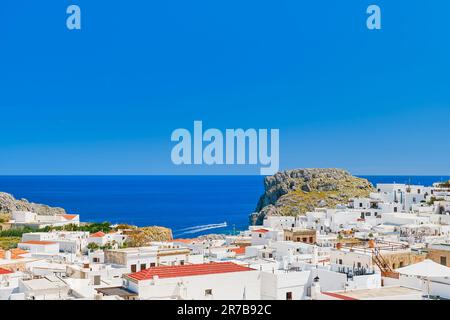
x=104 y=100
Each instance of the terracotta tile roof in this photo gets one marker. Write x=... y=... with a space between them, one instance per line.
x=5 y=271
x=338 y=296
x=18 y=251
x=15 y=253
x=38 y=242
x=97 y=235
x=261 y=230
x=69 y=216
x=188 y=270
x=184 y=240
x=239 y=251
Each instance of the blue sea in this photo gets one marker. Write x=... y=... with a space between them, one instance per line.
x=189 y=205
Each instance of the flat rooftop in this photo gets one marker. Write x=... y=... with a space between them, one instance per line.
x=47 y=283
x=116 y=291
x=384 y=293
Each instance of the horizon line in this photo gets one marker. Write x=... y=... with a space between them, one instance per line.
x=204 y=175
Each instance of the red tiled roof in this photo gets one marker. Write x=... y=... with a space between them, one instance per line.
x=69 y=216
x=338 y=296
x=5 y=271
x=188 y=270
x=238 y=251
x=38 y=242
x=15 y=253
x=261 y=230
x=97 y=235
x=184 y=240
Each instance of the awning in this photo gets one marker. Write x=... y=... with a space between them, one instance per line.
x=426 y=268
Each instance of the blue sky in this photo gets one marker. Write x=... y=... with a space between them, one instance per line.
x=105 y=99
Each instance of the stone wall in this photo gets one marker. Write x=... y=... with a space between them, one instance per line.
x=402 y=259
x=435 y=255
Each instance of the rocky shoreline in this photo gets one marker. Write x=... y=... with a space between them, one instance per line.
x=8 y=204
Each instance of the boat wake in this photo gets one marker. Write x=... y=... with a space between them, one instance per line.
x=201 y=228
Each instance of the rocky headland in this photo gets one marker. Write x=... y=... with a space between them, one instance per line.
x=295 y=192
x=8 y=204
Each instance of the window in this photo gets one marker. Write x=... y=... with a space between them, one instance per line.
x=359 y=264
x=152 y=264
x=340 y=261
x=208 y=292
x=143 y=266
x=304 y=239
x=395 y=209
x=96 y=260
x=444 y=261
x=360 y=204
x=260 y=235
x=133 y=268
x=288 y=295
x=311 y=239
x=181 y=262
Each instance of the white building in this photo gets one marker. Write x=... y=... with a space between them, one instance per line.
x=69 y=241
x=284 y=285
x=221 y=281
x=32 y=219
x=263 y=236
x=40 y=247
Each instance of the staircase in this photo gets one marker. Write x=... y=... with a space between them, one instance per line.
x=386 y=270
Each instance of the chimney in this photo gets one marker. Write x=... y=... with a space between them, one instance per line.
x=98 y=296
x=315 y=289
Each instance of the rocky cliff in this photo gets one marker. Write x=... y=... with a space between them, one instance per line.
x=156 y=233
x=143 y=236
x=295 y=192
x=8 y=204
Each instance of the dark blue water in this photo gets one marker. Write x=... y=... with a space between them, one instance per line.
x=178 y=202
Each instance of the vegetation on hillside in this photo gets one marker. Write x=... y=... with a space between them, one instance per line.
x=7 y=243
x=295 y=192
x=142 y=236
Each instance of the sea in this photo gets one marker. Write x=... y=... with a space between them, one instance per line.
x=189 y=205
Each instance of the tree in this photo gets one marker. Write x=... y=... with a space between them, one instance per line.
x=93 y=246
